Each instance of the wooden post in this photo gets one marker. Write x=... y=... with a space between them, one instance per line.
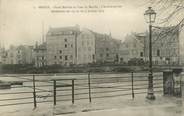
x=54 y=93
x=34 y=92
x=89 y=87
x=132 y=75
x=72 y=91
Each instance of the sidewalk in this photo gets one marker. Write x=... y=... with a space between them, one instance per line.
x=117 y=106
x=162 y=106
x=160 y=110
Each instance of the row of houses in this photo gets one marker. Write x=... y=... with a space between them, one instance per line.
x=66 y=46
x=74 y=46
x=22 y=54
x=167 y=46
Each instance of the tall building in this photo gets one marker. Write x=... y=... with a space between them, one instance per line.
x=85 y=47
x=70 y=45
x=61 y=44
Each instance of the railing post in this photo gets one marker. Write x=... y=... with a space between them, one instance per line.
x=180 y=86
x=34 y=92
x=132 y=75
x=89 y=86
x=72 y=91
x=54 y=88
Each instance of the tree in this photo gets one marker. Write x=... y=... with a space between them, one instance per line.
x=170 y=11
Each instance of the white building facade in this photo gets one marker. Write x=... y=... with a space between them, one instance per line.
x=61 y=45
x=85 y=47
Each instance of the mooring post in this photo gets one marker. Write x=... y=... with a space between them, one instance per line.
x=54 y=88
x=34 y=92
x=89 y=86
x=132 y=75
x=72 y=91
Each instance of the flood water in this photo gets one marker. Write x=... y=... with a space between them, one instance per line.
x=101 y=85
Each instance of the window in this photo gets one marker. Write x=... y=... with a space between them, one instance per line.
x=107 y=55
x=107 y=49
x=55 y=57
x=66 y=57
x=65 y=45
x=65 y=39
x=121 y=59
x=158 y=52
x=93 y=57
x=141 y=54
x=60 y=51
x=60 y=57
x=71 y=45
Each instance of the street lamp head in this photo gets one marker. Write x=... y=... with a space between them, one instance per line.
x=150 y=15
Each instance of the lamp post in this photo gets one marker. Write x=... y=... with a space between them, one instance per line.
x=150 y=16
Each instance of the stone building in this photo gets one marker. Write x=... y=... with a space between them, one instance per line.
x=40 y=54
x=26 y=52
x=132 y=47
x=70 y=45
x=11 y=56
x=106 y=48
x=181 y=44
x=61 y=45
x=85 y=47
x=167 y=46
x=22 y=54
x=3 y=55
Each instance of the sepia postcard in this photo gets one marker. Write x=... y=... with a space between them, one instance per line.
x=91 y=57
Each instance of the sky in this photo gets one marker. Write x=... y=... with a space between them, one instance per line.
x=24 y=22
